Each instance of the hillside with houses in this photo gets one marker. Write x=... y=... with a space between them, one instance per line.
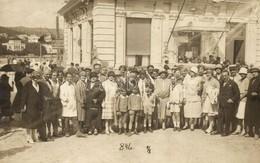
x=17 y=41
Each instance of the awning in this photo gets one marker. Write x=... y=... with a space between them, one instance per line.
x=208 y=29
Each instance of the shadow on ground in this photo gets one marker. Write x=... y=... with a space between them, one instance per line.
x=12 y=152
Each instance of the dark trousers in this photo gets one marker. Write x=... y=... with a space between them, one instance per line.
x=93 y=119
x=225 y=116
x=42 y=130
x=74 y=123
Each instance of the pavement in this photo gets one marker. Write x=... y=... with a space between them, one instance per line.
x=160 y=146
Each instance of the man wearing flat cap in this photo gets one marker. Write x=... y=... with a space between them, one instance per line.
x=81 y=102
x=233 y=69
x=252 y=111
x=47 y=100
x=162 y=92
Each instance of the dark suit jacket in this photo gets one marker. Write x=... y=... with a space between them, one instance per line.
x=229 y=91
x=33 y=102
x=252 y=111
x=96 y=92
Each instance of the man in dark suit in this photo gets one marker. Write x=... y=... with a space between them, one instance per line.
x=228 y=97
x=252 y=111
x=46 y=88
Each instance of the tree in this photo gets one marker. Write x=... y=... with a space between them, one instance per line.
x=34 y=48
x=3 y=49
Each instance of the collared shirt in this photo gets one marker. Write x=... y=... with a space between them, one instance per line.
x=36 y=86
x=162 y=87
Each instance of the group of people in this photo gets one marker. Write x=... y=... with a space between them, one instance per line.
x=130 y=100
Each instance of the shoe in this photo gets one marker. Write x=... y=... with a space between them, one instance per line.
x=192 y=128
x=248 y=135
x=80 y=135
x=135 y=132
x=120 y=132
x=11 y=118
x=30 y=141
x=150 y=130
x=215 y=133
x=242 y=133
x=185 y=127
x=175 y=129
x=256 y=137
x=179 y=129
x=90 y=133
x=50 y=139
x=107 y=132
x=236 y=133
x=224 y=135
x=111 y=131
x=67 y=134
x=209 y=130
x=204 y=127
x=125 y=131
x=57 y=135
x=42 y=139
x=129 y=133
x=145 y=130
x=95 y=132
x=163 y=126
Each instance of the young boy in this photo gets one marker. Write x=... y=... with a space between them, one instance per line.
x=175 y=101
x=121 y=106
x=148 y=105
x=134 y=107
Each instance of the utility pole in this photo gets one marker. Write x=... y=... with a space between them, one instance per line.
x=40 y=53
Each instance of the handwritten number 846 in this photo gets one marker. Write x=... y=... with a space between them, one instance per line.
x=125 y=146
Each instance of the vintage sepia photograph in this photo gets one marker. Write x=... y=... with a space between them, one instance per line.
x=129 y=81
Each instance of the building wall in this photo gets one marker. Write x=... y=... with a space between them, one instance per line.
x=104 y=30
x=109 y=28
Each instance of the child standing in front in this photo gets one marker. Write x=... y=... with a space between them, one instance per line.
x=122 y=110
x=148 y=106
x=134 y=107
x=175 y=101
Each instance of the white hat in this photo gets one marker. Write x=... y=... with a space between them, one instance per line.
x=194 y=69
x=243 y=70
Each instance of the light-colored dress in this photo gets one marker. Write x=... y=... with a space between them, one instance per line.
x=109 y=101
x=192 y=107
x=243 y=87
x=81 y=99
x=210 y=96
x=176 y=98
x=68 y=100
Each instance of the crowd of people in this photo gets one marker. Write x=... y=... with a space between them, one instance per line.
x=91 y=101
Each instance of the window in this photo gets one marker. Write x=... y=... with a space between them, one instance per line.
x=138 y=41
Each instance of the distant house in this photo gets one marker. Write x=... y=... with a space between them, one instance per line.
x=49 y=48
x=15 y=45
x=4 y=35
x=33 y=39
x=23 y=37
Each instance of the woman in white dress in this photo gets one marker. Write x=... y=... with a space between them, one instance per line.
x=192 y=99
x=209 y=99
x=108 y=113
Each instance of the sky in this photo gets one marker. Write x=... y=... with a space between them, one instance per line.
x=30 y=13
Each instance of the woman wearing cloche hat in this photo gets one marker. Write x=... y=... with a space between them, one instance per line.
x=192 y=108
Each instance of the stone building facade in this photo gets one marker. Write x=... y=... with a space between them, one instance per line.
x=136 y=32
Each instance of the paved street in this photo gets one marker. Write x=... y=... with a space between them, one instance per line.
x=164 y=146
